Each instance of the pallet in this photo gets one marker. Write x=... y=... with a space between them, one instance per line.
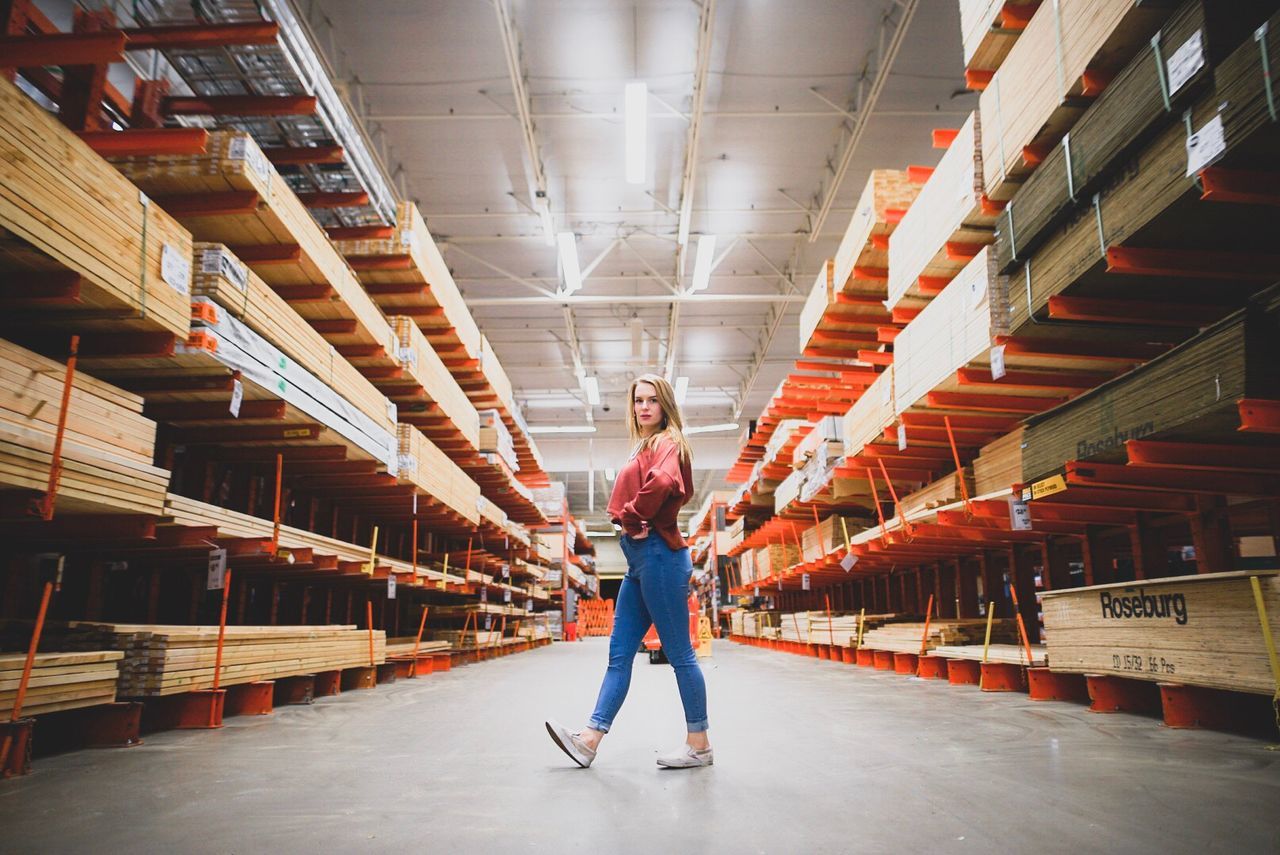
x=80 y=248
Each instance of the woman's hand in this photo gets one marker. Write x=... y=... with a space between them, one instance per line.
x=644 y=532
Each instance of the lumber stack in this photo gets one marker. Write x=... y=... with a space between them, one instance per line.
x=167 y=660
x=237 y=289
x=496 y=439
x=998 y=465
x=774 y=559
x=60 y=681
x=107 y=448
x=840 y=630
x=469 y=639
x=870 y=415
x=231 y=194
x=1009 y=654
x=828 y=536
x=946 y=225
x=943 y=491
x=407 y=276
x=988 y=29
x=78 y=243
x=405 y=646
x=1067 y=52
x=1180 y=63
x=1190 y=391
x=907 y=637
x=423 y=464
x=427 y=395
x=1199 y=630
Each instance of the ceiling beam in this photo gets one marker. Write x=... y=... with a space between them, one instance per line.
x=453 y=247
x=616 y=300
x=520 y=92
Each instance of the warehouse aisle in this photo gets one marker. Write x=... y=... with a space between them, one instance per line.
x=815 y=757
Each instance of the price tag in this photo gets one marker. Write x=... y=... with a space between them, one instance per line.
x=506 y=595
x=528 y=604
x=391 y=586
x=902 y=437
x=175 y=270
x=848 y=561
x=757 y=590
x=804 y=581
x=997 y=362
x=1019 y=515
x=506 y=571
x=217 y=569
x=237 y=395
x=488 y=622
x=484 y=595
x=220 y=262
x=1205 y=145
x=1185 y=62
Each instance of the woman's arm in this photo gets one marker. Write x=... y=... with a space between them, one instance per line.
x=661 y=480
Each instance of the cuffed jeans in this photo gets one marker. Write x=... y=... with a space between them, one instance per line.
x=654 y=592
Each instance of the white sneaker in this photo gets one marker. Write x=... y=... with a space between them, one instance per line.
x=687 y=757
x=571 y=743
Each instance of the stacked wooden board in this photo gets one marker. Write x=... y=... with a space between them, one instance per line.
x=999 y=464
x=908 y=637
x=1041 y=88
x=426 y=466
x=232 y=195
x=946 y=225
x=59 y=681
x=166 y=660
x=1202 y=630
x=426 y=394
x=943 y=491
x=79 y=243
x=1009 y=654
x=406 y=645
x=107 y=449
x=988 y=29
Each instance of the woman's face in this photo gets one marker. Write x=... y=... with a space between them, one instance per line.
x=647 y=409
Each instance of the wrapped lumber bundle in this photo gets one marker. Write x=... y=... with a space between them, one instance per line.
x=496 y=439
x=951 y=333
x=906 y=637
x=78 y=242
x=946 y=225
x=1067 y=52
x=737 y=531
x=491 y=512
x=747 y=566
x=823 y=442
x=1201 y=630
x=235 y=288
x=1156 y=200
x=1009 y=654
x=60 y=681
x=167 y=660
x=828 y=536
x=785 y=432
x=1191 y=391
x=425 y=466
x=231 y=194
x=988 y=29
x=499 y=382
x=998 y=465
x=874 y=411
x=407 y=275
x=426 y=394
x=788 y=491
x=108 y=445
x=1150 y=93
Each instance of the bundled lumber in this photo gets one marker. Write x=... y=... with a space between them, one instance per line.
x=1155 y=200
x=946 y=225
x=78 y=241
x=1065 y=55
x=235 y=288
x=426 y=466
x=955 y=329
x=407 y=276
x=405 y=646
x=943 y=491
x=469 y=639
x=167 y=660
x=828 y=536
x=108 y=445
x=496 y=439
x=998 y=465
x=840 y=630
x=1009 y=654
x=907 y=637
x=231 y=194
x=426 y=394
x=1149 y=94
x=1192 y=390
x=1201 y=630
x=59 y=681
x=988 y=29
x=874 y=411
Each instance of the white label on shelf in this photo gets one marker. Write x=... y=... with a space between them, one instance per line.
x=217 y=569
x=902 y=437
x=757 y=590
x=237 y=396
x=222 y=263
x=506 y=571
x=528 y=604
x=804 y=581
x=1206 y=145
x=391 y=411
x=506 y=595
x=997 y=362
x=848 y=561
x=242 y=148
x=484 y=595
x=175 y=270
x=1019 y=515
x=391 y=586
x=488 y=622
x=1185 y=62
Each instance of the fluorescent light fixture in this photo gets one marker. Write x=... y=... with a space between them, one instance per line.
x=569 y=262
x=636 y=97
x=608 y=474
x=703 y=262
x=562 y=428
x=682 y=390
x=591 y=386
x=712 y=428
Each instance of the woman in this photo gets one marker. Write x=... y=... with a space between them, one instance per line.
x=648 y=493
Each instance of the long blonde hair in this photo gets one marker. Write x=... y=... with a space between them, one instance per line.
x=672 y=423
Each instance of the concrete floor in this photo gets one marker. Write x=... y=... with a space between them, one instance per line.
x=812 y=757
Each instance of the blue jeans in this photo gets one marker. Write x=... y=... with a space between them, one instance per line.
x=655 y=591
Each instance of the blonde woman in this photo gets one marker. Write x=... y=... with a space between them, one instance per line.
x=647 y=494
